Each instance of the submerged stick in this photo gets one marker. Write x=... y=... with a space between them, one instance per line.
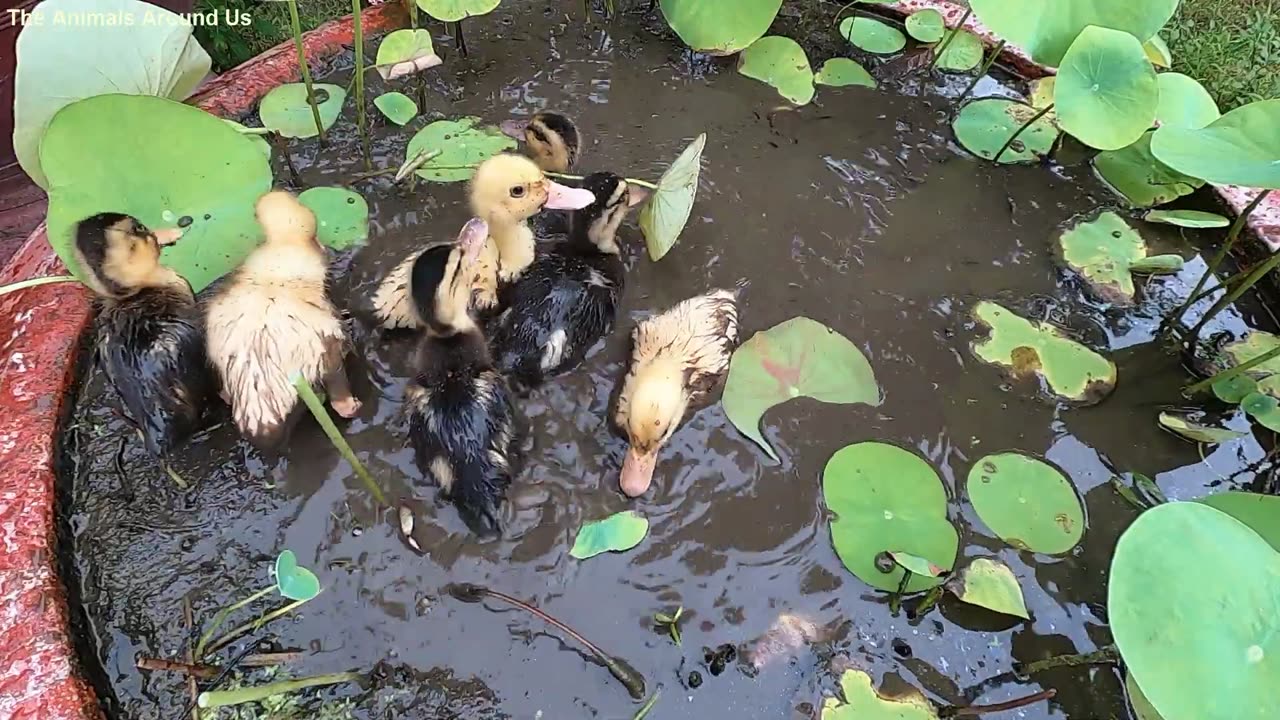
x=982 y=71
x=951 y=35
x=644 y=710
x=458 y=38
x=316 y=407
x=36 y=282
x=998 y=707
x=630 y=678
x=357 y=28
x=270 y=659
x=1229 y=373
x=1104 y=656
x=296 y=25
x=204 y=672
x=221 y=617
x=223 y=698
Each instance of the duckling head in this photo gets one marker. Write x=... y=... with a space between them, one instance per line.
x=599 y=221
x=509 y=189
x=120 y=255
x=285 y=220
x=440 y=284
x=657 y=405
x=553 y=140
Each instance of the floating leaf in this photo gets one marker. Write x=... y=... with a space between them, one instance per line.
x=780 y=62
x=963 y=54
x=1239 y=148
x=1071 y=370
x=862 y=702
x=983 y=127
x=462 y=144
x=285 y=109
x=1256 y=343
x=1102 y=251
x=294 y=582
x=917 y=564
x=1187 y=218
x=455 y=10
x=1260 y=512
x=1106 y=91
x=397 y=107
x=1234 y=389
x=1042 y=91
x=842 y=72
x=1158 y=52
x=926 y=26
x=797 y=358
x=1027 y=502
x=617 y=533
x=1184 y=103
x=885 y=497
x=258 y=141
x=1141 y=705
x=872 y=35
x=720 y=27
x=1046 y=28
x=989 y=583
x=1192 y=606
x=1158 y=265
x=342 y=216
x=405 y=52
x=1264 y=409
x=1134 y=173
x=203 y=169
x=663 y=218
x=1180 y=424
x=60 y=61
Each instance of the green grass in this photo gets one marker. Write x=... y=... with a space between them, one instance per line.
x=230 y=46
x=1231 y=46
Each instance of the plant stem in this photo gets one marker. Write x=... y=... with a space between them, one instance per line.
x=998 y=707
x=982 y=71
x=1103 y=656
x=644 y=710
x=223 y=698
x=1229 y=373
x=1019 y=131
x=35 y=282
x=840 y=12
x=458 y=38
x=282 y=145
x=357 y=27
x=950 y=36
x=205 y=672
x=255 y=624
x=221 y=617
x=413 y=14
x=316 y=407
x=1254 y=276
x=296 y=24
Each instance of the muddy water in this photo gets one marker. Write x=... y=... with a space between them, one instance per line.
x=857 y=211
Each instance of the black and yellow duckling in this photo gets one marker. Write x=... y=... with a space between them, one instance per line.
x=568 y=297
x=678 y=358
x=459 y=406
x=149 y=337
x=271 y=319
x=552 y=140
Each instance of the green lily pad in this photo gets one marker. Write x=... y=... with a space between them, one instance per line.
x=60 y=61
x=842 y=72
x=885 y=497
x=1158 y=265
x=405 y=52
x=258 y=141
x=862 y=702
x=1260 y=512
x=872 y=35
x=1027 y=502
x=1102 y=251
x=983 y=126
x=963 y=54
x=1134 y=173
x=1264 y=409
x=1184 y=103
x=455 y=10
x=1107 y=92
x=1239 y=148
x=285 y=109
x=397 y=107
x=797 y=358
x=917 y=564
x=1193 y=606
x=1042 y=91
x=1181 y=425
x=1157 y=51
x=780 y=62
x=989 y=583
x=294 y=582
x=720 y=27
x=926 y=26
x=463 y=144
x=1046 y=28
x=204 y=169
x=1187 y=218
x=1071 y=370
x=342 y=216
x=617 y=533
x=1256 y=343
x=1142 y=709
x=1234 y=389
x=664 y=216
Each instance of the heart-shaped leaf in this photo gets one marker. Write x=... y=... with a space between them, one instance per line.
x=1239 y=148
x=842 y=72
x=926 y=26
x=1071 y=370
x=1260 y=512
x=862 y=702
x=798 y=358
x=462 y=144
x=405 y=52
x=1187 y=218
x=872 y=35
x=963 y=54
x=455 y=10
x=1106 y=92
x=983 y=127
x=1027 y=502
x=397 y=107
x=294 y=582
x=285 y=109
x=342 y=216
x=616 y=533
x=1144 y=181
x=663 y=217
x=1102 y=251
x=1189 y=428
x=1046 y=28
x=1158 y=52
x=989 y=583
x=720 y=27
x=780 y=62
x=887 y=499
x=1184 y=103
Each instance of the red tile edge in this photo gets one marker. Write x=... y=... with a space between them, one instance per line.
x=40 y=332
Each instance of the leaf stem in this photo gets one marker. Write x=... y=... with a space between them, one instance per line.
x=982 y=71
x=950 y=36
x=1254 y=276
x=357 y=26
x=1102 y=656
x=221 y=617
x=459 y=39
x=282 y=145
x=296 y=25
x=998 y=707
x=1229 y=373
x=35 y=282
x=255 y=624
x=316 y=407
x=644 y=710
x=223 y=698
x=1019 y=131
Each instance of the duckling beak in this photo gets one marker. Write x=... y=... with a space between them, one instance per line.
x=562 y=197
x=471 y=239
x=168 y=236
x=515 y=127
x=637 y=472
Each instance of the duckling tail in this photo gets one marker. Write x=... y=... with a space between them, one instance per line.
x=284 y=219
x=478 y=492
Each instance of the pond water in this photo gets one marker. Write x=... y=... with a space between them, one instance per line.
x=858 y=211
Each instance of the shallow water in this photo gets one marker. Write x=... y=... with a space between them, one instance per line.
x=859 y=212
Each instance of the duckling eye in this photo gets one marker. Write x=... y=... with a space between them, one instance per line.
x=517 y=191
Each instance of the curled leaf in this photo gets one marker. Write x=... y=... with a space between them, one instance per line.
x=989 y=583
x=663 y=217
x=1158 y=265
x=405 y=52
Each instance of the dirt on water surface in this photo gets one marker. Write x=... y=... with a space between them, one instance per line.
x=858 y=211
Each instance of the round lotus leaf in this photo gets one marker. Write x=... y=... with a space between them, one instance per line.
x=1106 y=92
x=1134 y=173
x=1187 y=218
x=463 y=144
x=1170 y=264
x=1158 y=52
x=887 y=499
x=1239 y=148
x=1184 y=103
x=1260 y=512
x=1046 y=28
x=1027 y=502
x=1264 y=409
x=720 y=27
x=258 y=141
x=963 y=54
x=455 y=10
x=780 y=62
x=1234 y=389
x=285 y=109
x=1071 y=370
x=983 y=126
x=397 y=107
x=203 y=169
x=1256 y=343
x=862 y=702
x=842 y=72
x=1142 y=709
x=1102 y=251
x=1042 y=91
x=1194 y=604
x=872 y=35
x=926 y=26
x=342 y=216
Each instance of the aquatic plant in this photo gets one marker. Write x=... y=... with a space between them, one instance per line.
x=1007 y=129
x=872 y=35
x=1046 y=29
x=617 y=533
x=664 y=216
x=460 y=145
x=316 y=406
x=1260 y=512
x=405 y=52
x=257 y=693
x=720 y=27
x=455 y=11
x=292 y=582
x=342 y=216
x=396 y=107
x=842 y=72
x=1187 y=425
x=780 y=62
x=861 y=701
x=1107 y=252
x=357 y=30
x=1071 y=370
x=298 y=110
x=670 y=623
x=310 y=94
x=1187 y=218
x=989 y=583
x=1026 y=502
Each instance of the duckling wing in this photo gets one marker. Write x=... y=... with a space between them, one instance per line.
x=392 y=302
x=699 y=333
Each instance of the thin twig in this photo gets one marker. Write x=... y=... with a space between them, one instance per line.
x=950 y=36
x=296 y=25
x=1103 y=656
x=272 y=659
x=982 y=71
x=998 y=707
x=204 y=672
x=1015 y=135
x=188 y=624
x=255 y=624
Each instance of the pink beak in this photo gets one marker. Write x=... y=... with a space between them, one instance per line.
x=562 y=197
x=514 y=128
x=168 y=236
x=637 y=472
x=636 y=194
x=472 y=239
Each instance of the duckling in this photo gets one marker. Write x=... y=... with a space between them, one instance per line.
x=149 y=336
x=272 y=319
x=568 y=297
x=553 y=140
x=459 y=406
x=678 y=358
